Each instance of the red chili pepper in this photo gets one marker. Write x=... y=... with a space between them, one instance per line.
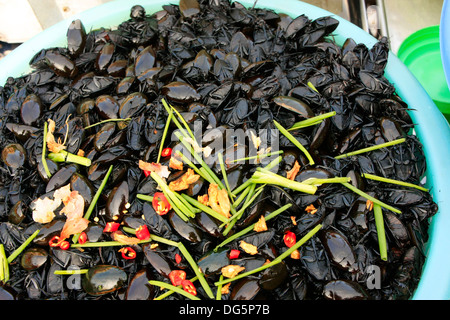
x=64 y=245
x=289 y=239
x=189 y=287
x=177 y=258
x=177 y=277
x=147 y=172
x=160 y=203
x=128 y=253
x=111 y=227
x=55 y=242
x=142 y=232
x=166 y=152
x=82 y=238
x=234 y=254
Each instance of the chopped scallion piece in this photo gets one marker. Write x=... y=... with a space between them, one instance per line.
x=379 y=223
x=373 y=148
x=294 y=141
x=392 y=181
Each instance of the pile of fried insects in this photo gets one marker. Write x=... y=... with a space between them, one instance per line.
x=108 y=192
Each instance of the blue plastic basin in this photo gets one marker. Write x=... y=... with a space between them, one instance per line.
x=444 y=34
x=432 y=128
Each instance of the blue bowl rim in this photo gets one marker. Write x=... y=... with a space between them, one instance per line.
x=444 y=35
x=431 y=127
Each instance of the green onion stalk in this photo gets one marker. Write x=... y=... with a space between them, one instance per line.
x=251 y=197
x=173 y=288
x=269 y=167
x=250 y=228
x=22 y=247
x=294 y=141
x=190 y=260
x=369 y=197
x=93 y=203
x=177 y=202
x=202 y=163
x=170 y=292
x=369 y=149
x=4 y=265
x=166 y=128
x=106 y=121
x=64 y=156
x=277 y=260
x=265 y=176
x=381 y=234
x=393 y=181
x=312 y=121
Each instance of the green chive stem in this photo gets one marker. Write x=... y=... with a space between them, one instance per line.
x=248 y=182
x=166 y=128
x=184 y=122
x=64 y=156
x=368 y=197
x=294 y=141
x=204 y=208
x=268 y=177
x=70 y=272
x=200 y=161
x=318 y=182
x=379 y=222
x=103 y=244
x=393 y=181
x=178 y=206
x=190 y=260
x=243 y=195
x=44 y=148
x=4 y=265
x=22 y=247
x=170 y=292
x=144 y=197
x=177 y=123
x=233 y=219
x=225 y=178
x=219 y=289
x=173 y=288
x=250 y=228
x=93 y=203
x=105 y=121
x=200 y=171
x=276 y=260
x=259 y=156
x=196 y=270
x=368 y=149
x=312 y=121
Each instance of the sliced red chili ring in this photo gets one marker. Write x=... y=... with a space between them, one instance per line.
x=64 y=245
x=177 y=277
x=111 y=227
x=289 y=239
x=189 y=287
x=160 y=203
x=234 y=254
x=55 y=242
x=128 y=253
x=142 y=232
x=82 y=238
x=166 y=152
x=177 y=258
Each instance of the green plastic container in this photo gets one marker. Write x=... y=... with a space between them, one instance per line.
x=421 y=53
x=432 y=129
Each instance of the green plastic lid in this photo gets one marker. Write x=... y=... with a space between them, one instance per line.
x=420 y=52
